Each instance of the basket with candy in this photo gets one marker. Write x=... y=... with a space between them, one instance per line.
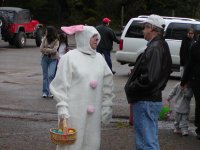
x=63 y=135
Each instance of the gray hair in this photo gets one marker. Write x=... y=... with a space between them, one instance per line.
x=160 y=31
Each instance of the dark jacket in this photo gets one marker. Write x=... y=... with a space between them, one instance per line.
x=192 y=69
x=185 y=50
x=151 y=73
x=107 y=37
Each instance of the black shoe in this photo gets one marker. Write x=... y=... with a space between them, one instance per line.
x=113 y=72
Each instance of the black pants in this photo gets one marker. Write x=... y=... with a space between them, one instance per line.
x=107 y=57
x=196 y=90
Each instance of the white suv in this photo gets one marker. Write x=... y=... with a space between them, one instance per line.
x=132 y=42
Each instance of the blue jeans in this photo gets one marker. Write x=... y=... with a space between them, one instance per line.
x=49 y=70
x=145 y=122
x=106 y=54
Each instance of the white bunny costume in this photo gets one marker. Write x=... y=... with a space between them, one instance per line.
x=83 y=89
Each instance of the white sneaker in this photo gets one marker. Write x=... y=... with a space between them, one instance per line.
x=177 y=131
x=50 y=96
x=185 y=133
x=44 y=95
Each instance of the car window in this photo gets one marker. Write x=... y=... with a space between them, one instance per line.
x=177 y=30
x=135 y=30
x=197 y=29
x=23 y=17
x=9 y=15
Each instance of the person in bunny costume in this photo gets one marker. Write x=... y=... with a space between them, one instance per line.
x=83 y=89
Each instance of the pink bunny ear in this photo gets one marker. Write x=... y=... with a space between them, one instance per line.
x=72 y=29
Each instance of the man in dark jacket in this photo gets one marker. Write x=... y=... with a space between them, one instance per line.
x=105 y=45
x=191 y=76
x=185 y=49
x=148 y=79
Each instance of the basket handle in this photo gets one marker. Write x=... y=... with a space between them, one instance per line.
x=63 y=125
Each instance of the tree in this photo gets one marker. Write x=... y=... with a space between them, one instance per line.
x=91 y=12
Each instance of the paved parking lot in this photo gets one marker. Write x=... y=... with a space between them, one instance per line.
x=26 y=118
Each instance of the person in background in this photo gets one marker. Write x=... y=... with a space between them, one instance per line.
x=63 y=46
x=185 y=48
x=182 y=107
x=146 y=83
x=106 y=43
x=49 y=52
x=83 y=89
x=192 y=75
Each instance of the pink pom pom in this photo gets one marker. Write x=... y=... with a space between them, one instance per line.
x=90 y=109
x=93 y=84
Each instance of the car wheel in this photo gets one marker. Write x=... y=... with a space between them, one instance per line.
x=20 y=40
x=38 y=37
x=3 y=27
x=3 y=23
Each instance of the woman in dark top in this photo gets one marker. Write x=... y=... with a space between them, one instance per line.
x=185 y=48
x=192 y=75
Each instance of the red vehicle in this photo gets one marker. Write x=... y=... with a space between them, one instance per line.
x=16 y=26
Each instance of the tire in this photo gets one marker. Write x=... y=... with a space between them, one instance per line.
x=3 y=22
x=20 y=40
x=4 y=27
x=38 y=37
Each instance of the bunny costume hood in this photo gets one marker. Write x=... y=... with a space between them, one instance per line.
x=83 y=34
x=83 y=39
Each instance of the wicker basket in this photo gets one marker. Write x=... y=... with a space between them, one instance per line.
x=66 y=137
x=63 y=139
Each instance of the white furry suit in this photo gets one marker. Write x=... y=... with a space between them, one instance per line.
x=83 y=89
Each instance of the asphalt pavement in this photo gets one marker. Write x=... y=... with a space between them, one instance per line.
x=26 y=133
x=25 y=117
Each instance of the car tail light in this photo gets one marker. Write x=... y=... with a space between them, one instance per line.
x=121 y=44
